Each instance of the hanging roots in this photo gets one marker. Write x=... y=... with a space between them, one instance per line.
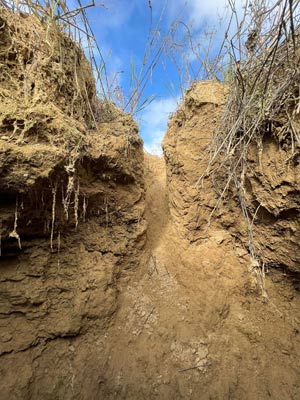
x=14 y=233
x=76 y=204
x=66 y=200
x=84 y=207
x=54 y=190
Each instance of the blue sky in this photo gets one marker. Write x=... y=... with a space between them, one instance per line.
x=122 y=31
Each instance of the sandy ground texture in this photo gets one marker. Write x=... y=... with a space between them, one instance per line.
x=90 y=309
x=189 y=325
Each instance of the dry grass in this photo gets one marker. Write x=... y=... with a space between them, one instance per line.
x=74 y=23
x=264 y=91
x=263 y=99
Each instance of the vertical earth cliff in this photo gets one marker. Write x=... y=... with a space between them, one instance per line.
x=186 y=151
x=72 y=197
x=271 y=182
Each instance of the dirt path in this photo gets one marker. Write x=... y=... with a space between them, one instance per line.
x=190 y=325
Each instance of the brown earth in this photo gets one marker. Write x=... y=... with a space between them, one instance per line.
x=112 y=283
x=271 y=182
x=71 y=206
x=188 y=323
x=186 y=150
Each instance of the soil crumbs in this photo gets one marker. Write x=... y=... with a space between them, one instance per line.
x=189 y=325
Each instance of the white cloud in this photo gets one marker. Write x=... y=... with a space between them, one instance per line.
x=114 y=15
x=158 y=110
x=204 y=8
x=199 y=12
x=153 y=123
x=154 y=145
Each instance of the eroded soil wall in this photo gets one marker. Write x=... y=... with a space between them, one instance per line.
x=198 y=201
x=71 y=209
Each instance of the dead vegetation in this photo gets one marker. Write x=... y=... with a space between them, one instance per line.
x=50 y=120
x=47 y=107
x=264 y=91
x=263 y=106
x=71 y=202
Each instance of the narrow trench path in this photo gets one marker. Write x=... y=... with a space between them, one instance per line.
x=188 y=325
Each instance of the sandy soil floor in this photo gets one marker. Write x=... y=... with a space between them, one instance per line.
x=191 y=324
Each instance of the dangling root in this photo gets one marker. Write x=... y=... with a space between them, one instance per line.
x=67 y=199
x=259 y=271
x=14 y=233
x=76 y=204
x=84 y=207
x=58 y=249
x=53 y=214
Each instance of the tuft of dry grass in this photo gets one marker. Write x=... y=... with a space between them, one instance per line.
x=263 y=98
